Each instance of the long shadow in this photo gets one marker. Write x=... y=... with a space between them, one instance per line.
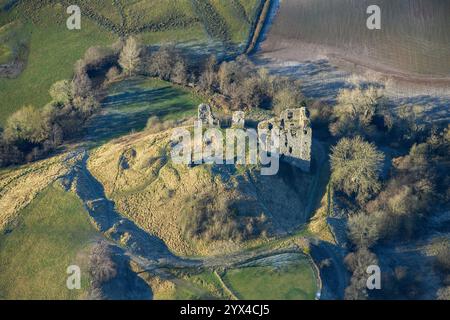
x=127 y=285
x=109 y=221
x=130 y=109
x=138 y=96
x=335 y=277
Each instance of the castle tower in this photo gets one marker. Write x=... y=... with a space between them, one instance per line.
x=295 y=137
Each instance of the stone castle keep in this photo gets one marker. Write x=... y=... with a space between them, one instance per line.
x=295 y=136
x=294 y=127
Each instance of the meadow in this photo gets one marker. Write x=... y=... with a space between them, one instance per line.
x=294 y=280
x=52 y=52
x=132 y=102
x=50 y=234
x=53 y=49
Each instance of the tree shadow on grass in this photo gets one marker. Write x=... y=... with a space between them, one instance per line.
x=127 y=285
x=130 y=109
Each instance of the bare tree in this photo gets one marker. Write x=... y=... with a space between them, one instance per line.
x=130 y=56
x=101 y=266
x=208 y=78
x=81 y=85
x=358 y=262
x=286 y=98
x=180 y=72
x=355 y=110
x=162 y=62
x=356 y=165
x=364 y=229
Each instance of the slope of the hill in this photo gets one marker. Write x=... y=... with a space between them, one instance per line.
x=202 y=209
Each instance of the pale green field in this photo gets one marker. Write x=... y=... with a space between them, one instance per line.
x=294 y=281
x=53 y=50
x=52 y=233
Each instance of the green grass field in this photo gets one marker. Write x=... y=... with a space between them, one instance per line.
x=200 y=286
x=52 y=233
x=5 y=54
x=131 y=102
x=53 y=49
x=293 y=281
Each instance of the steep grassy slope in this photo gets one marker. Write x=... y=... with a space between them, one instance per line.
x=161 y=197
x=19 y=186
x=50 y=234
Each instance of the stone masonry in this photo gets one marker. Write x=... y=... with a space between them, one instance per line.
x=295 y=136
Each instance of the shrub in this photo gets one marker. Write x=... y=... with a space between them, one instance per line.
x=357 y=262
x=286 y=98
x=112 y=74
x=216 y=219
x=364 y=229
x=101 y=266
x=356 y=165
x=61 y=91
x=26 y=124
x=81 y=85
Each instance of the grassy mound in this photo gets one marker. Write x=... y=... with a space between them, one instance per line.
x=50 y=234
x=174 y=201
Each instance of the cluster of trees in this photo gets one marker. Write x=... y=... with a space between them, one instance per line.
x=249 y=87
x=365 y=112
x=417 y=187
x=416 y=184
x=101 y=269
x=239 y=80
x=31 y=133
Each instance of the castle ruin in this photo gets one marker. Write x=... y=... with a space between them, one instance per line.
x=295 y=136
x=294 y=128
x=206 y=117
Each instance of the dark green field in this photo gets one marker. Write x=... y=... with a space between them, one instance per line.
x=131 y=103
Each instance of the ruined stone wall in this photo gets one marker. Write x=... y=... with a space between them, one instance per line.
x=295 y=136
x=294 y=128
